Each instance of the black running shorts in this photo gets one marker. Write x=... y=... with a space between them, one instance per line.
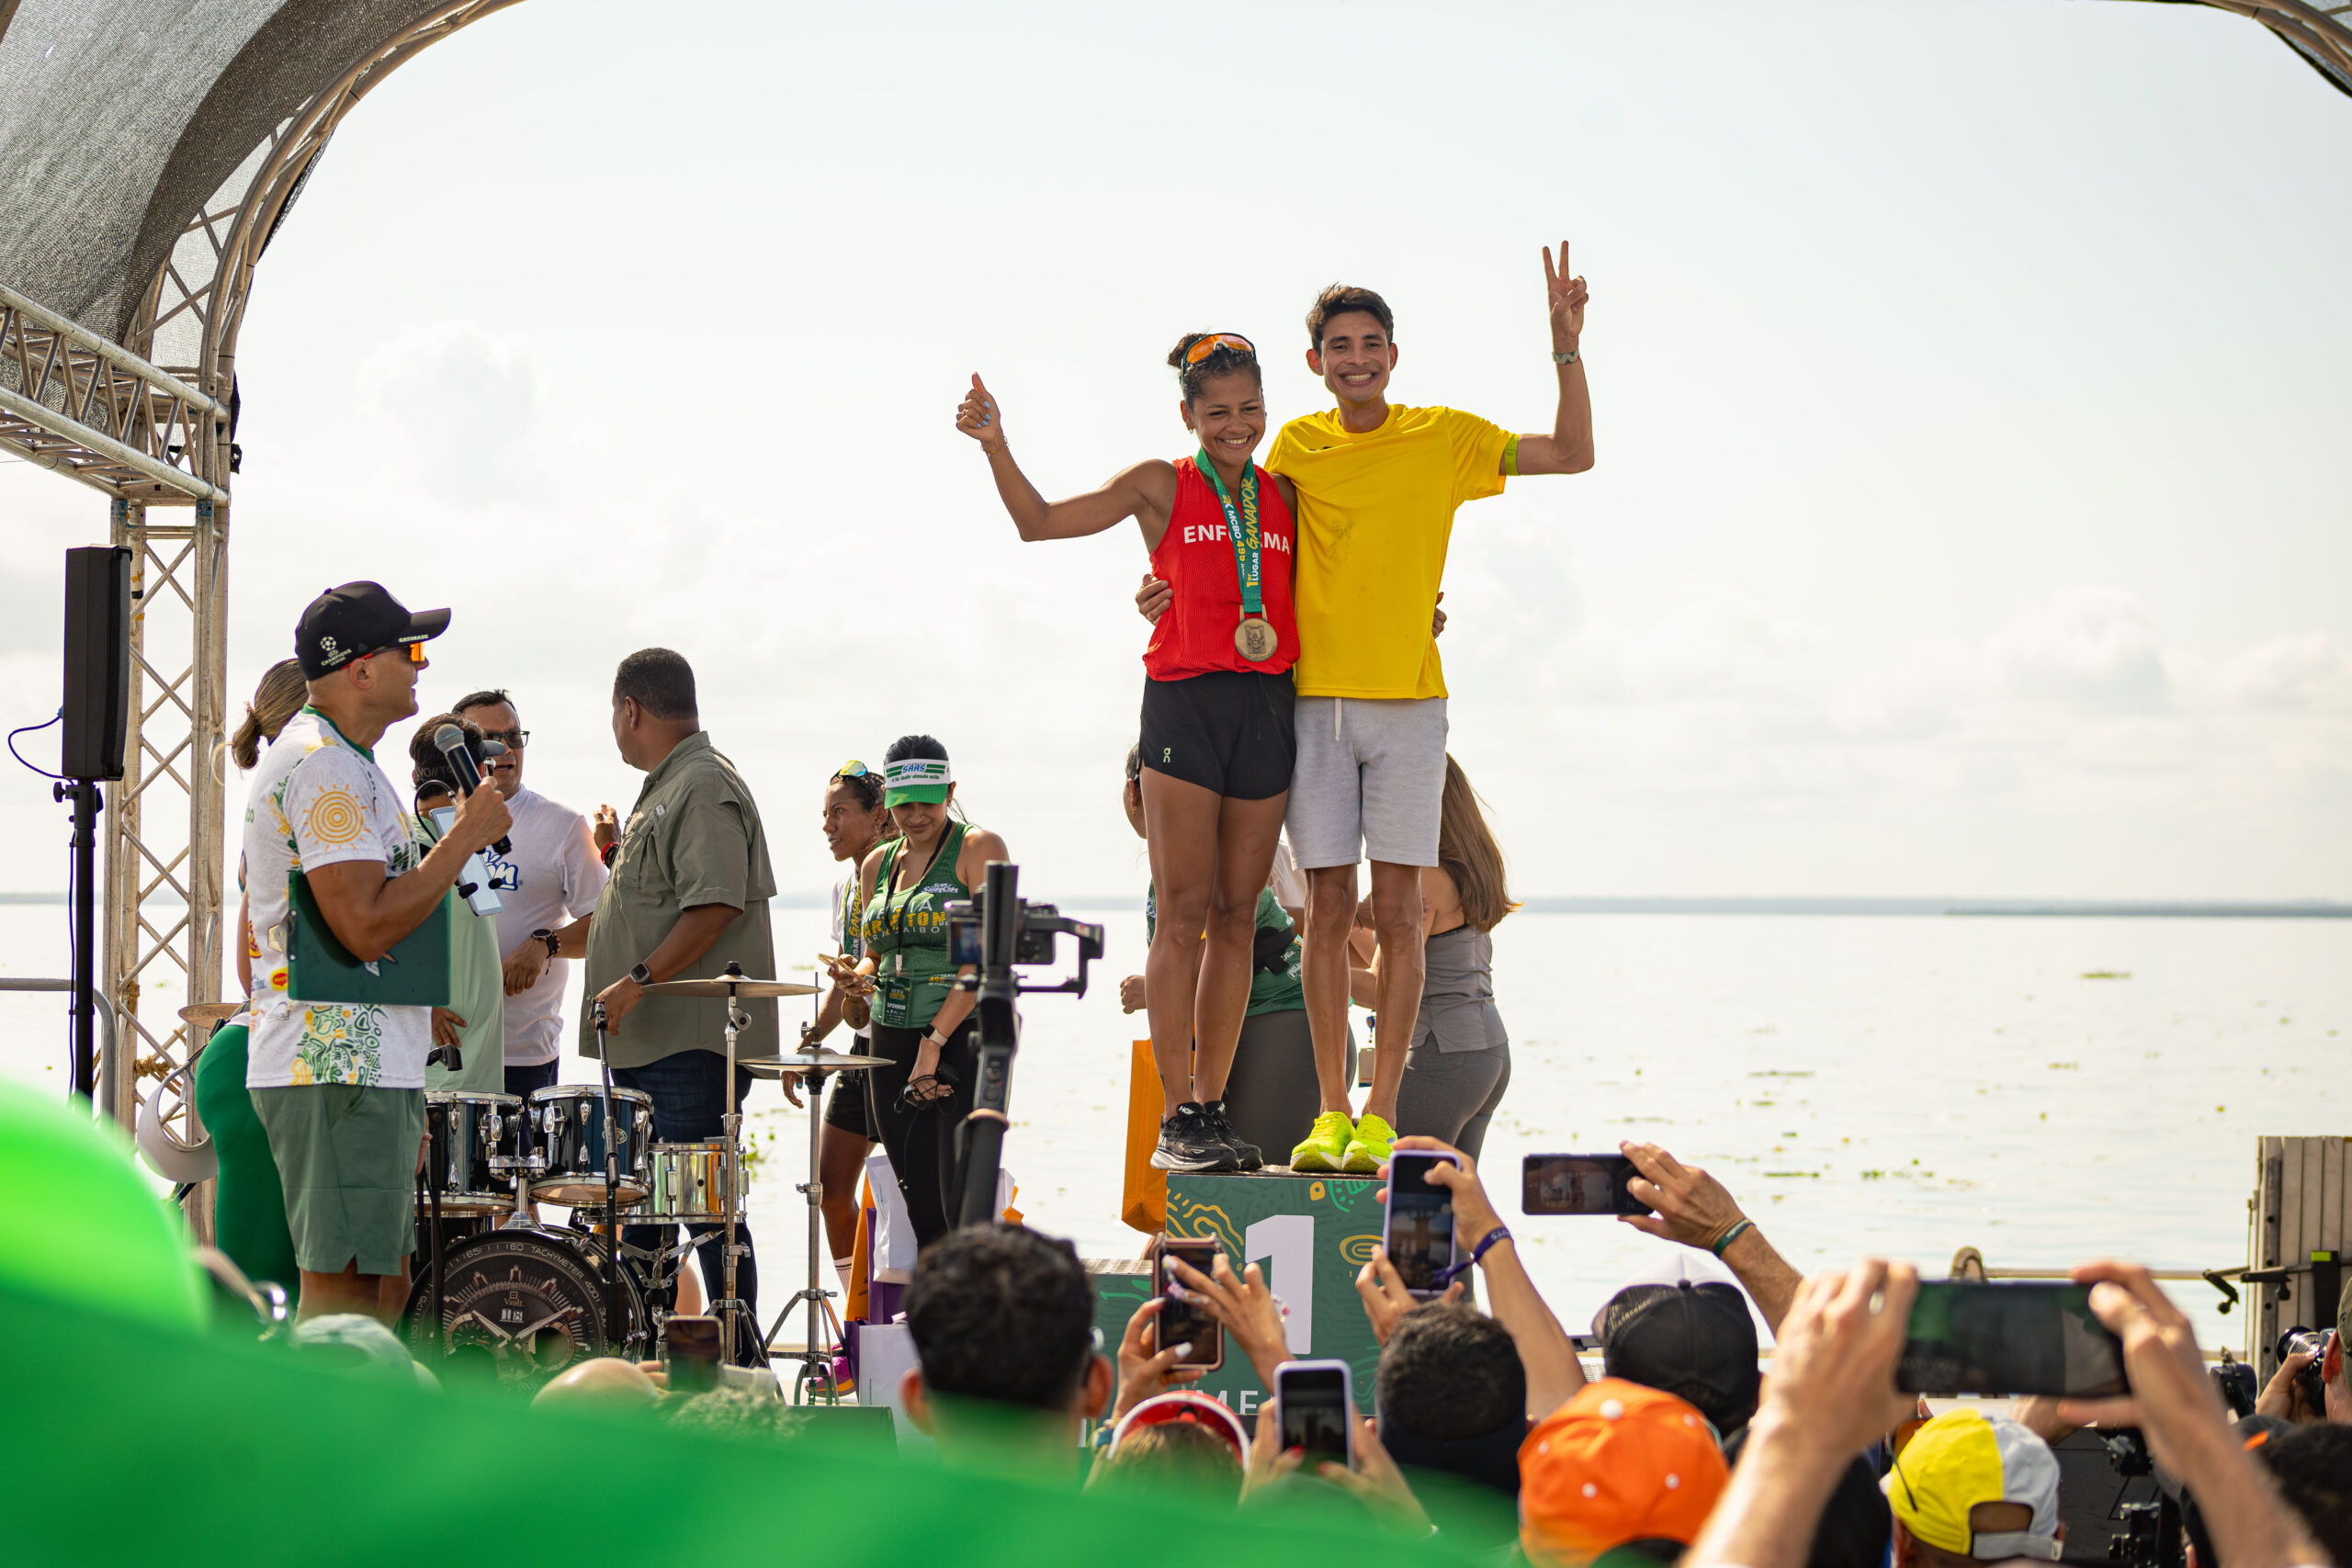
x=845 y=1106
x=1228 y=731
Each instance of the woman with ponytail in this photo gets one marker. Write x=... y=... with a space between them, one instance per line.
x=1216 y=740
x=249 y=1204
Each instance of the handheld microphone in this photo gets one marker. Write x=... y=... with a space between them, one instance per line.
x=451 y=743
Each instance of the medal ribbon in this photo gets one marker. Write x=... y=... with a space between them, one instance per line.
x=1242 y=527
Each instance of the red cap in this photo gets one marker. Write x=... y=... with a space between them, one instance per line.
x=1618 y=1462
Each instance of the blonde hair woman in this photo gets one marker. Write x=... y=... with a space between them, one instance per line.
x=1458 y=1062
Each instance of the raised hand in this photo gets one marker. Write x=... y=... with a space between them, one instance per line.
x=977 y=417
x=1385 y=1298
x=1146 y=1370
x=1566 y=296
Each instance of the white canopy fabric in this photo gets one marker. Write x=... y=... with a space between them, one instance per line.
x=119 y=120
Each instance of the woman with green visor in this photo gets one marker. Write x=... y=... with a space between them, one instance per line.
x=922 y=1022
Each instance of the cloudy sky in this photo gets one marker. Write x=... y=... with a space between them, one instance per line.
x=1970 y=515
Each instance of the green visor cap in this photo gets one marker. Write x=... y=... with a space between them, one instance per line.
x=916 y=779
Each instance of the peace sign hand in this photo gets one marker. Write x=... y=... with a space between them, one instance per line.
x=977 y=416
x=1567 y=295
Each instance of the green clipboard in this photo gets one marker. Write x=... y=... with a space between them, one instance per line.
x=321 y=969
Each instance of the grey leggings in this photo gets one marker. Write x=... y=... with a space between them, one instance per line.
x=1452 y=1095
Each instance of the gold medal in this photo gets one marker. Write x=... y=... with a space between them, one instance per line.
x=1255 y=638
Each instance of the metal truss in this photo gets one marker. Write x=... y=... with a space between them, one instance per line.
x=72 y=401
x=2317 y=32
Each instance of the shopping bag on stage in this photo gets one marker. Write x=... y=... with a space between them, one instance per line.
x=1144 y=1202
x=319 y=968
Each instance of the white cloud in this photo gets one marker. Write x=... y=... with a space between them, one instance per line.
x=460 y=406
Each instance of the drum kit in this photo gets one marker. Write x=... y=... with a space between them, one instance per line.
x=531 y=1299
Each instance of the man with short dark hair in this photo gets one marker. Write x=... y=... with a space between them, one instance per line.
x=1452 y=1399
x=339 y=1086
x=1693 y=1338
x=688 y=895
x=1004 y=1325
x=553 y=873
x=1377 y=486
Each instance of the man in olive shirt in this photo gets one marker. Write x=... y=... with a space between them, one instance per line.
x=688 y=895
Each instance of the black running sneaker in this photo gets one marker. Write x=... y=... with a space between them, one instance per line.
x=1247 y=1156
x=1186 y=1144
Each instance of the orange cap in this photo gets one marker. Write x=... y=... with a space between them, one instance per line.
x=1618 y=1462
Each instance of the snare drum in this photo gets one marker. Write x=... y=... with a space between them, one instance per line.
x=570 y=1120
x=689 y=1186
x=474 y=1138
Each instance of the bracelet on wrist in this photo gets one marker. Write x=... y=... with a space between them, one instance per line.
x=1732 y=1233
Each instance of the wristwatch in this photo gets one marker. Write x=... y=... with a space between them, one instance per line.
x=1567 y=358
x=544 y=935
x=641 y=974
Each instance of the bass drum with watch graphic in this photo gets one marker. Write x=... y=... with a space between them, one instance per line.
x=523 y=1305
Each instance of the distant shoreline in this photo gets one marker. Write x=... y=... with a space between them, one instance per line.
x=1972 y=909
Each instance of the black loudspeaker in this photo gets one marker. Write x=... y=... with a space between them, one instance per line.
x=97 y=662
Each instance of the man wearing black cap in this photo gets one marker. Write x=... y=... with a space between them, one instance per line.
x=339 y=1088
x=1693 y=1338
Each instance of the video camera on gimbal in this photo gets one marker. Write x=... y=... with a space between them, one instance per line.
x=995 y=932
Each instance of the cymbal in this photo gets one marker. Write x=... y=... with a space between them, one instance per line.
x=793 y=1063
x=722 y=985
x=209 y=1012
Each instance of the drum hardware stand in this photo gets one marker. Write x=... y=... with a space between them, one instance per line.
x=524 y=1166
x=611 y=1181
x=823 y=1347
x=729 y=1309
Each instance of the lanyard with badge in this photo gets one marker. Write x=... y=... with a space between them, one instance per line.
x=1255 y=636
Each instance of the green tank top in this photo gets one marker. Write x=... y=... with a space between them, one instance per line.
x=907 y=934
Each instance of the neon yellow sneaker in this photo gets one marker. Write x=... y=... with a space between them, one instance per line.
x=1326 y=1145
x=1368 y=1150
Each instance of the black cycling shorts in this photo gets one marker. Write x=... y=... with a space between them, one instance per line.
x=1228 y=731
x=847 y=1106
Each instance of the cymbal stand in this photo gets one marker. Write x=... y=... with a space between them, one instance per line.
x=822 y=1345
x=730 y=1308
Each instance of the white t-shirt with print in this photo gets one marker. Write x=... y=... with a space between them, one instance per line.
x=552 y=877
x=318 y=800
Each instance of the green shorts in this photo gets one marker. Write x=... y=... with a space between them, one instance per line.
x=348 y=1156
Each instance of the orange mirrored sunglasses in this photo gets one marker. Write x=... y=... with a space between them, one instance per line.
x=414 y=650
x=1216 y=341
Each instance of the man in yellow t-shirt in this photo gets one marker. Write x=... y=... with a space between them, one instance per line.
x=1375 y=490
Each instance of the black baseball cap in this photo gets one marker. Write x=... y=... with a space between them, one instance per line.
x=356 y=619
x=1692 y=1339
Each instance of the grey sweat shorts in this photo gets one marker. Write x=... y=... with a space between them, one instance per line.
x=1370 y=780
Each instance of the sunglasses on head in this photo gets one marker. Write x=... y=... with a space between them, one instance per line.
x=851 y=769
x=1216 y=341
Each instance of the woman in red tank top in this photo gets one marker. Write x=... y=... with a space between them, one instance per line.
x=1216 y=739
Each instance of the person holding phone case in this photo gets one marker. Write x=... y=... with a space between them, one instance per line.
x=340 y=1087
x=1217 y=746
x=922 y=1022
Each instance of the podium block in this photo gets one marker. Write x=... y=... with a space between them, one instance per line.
x=1308 y=1233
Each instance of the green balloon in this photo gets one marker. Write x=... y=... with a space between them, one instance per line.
x=81 y=1224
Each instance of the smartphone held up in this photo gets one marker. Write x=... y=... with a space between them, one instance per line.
x=1183 y=1320
x=1312 y=1400
x=2009 y=1337
x=1417 y=1227
x=1578 y=1184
